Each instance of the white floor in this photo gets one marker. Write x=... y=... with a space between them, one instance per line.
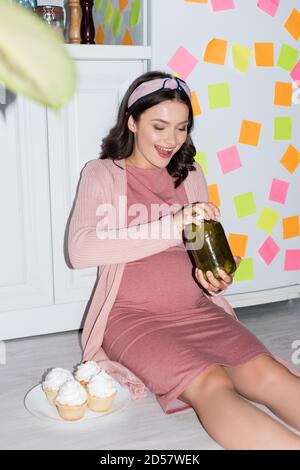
x=142 y=424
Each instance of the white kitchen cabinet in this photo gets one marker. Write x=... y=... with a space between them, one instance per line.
x=42 y=154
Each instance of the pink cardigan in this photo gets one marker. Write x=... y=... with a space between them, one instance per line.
x=104 y=181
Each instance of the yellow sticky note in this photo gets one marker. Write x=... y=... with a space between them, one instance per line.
x=200 y=158
x=245 y=271
x=238 y=244
x=291 y=159
x=213 y=194
x=241 y=57
x=283 y=94
x=250 y=132
x=215 y=51
x=292 y=24
x=267 y=220
x=264 y=54
x=244 y=205
x=195 y=104
x=290 y=227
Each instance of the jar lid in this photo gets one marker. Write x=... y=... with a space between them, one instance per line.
x=53 y=3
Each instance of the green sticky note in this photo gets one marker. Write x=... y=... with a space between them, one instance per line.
x=99 y=5
x=241 y=57
x=244 y=205
x=288 y=57
x=219 y=95
x=283 y=128
x=117 y=23
x=108 y=14
x=267 y=220
x=200 y=158
x=245 y=271
x=135 y=13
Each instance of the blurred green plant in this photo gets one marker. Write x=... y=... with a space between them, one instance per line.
x=33 y=59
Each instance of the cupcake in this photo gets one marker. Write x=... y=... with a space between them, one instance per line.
x=71 y=400
x=85 y=372
x=53 y=381
x=101 y=391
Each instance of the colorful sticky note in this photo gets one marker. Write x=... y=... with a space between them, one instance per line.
x=215 y=51
x=264 y=54
x=195 y=104
x=292 y=260
x=290 y=159
x=288 y=57
x=250 y=132
x=295 y=73
x=241 y=57
x=213 y=194
x=278 y=191
x=267 y=220
x=283 y=128
x=290 y=227
x=229 y=159
x=219 y=95
x=268 y=6
x=244 y=205
x=183 y=62
x=292 y=24
x=245 y=271
x=283 y=94
x=200 y=158
x=238 y=244
x=268 y=250
x=135 y=13
x=221 y=5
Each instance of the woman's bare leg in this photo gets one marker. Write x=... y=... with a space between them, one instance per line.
x=231 y=420
x=266 y=381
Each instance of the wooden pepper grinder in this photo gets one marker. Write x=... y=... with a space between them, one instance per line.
x=74 y=29
x=87 y=29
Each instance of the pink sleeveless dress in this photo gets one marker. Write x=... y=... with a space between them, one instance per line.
x=161 y=326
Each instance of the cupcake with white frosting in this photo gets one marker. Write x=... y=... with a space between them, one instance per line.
x=71 y=400
x=101 y=391
x=53 y=381
x=85 y=372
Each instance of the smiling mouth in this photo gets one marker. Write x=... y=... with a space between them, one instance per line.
x=163 y=152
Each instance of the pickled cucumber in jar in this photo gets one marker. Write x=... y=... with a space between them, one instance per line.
x=209 y=248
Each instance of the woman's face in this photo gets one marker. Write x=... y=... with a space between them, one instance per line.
x=158 y=134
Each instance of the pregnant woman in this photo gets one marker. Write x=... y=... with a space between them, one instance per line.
x=154 y=322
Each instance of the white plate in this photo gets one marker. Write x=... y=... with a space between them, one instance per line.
x=38 y=405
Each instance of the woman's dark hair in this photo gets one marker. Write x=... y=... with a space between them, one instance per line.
x=119 y=142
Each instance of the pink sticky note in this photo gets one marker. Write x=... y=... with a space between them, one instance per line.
x=229 y=159
x=220 y=5
x=268 y=6
x=292 y=260
x=182 y=62
x=278 y=191
x=295 y=73
x=269 y=250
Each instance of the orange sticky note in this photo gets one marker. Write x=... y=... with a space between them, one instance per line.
x=238 y=244
x=283 y=94
x=291 y=159
x=250 y=132
x=290 y=227
x=127 y=39
x=292 y=24
x=195 y=104
x=213 y=194
x=100 y=36
x=264 y=54
x=215 y=51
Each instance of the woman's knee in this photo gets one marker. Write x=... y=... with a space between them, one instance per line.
x=212 y=379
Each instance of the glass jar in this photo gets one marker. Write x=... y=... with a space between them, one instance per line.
x=208 y=246
x=52 y=11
